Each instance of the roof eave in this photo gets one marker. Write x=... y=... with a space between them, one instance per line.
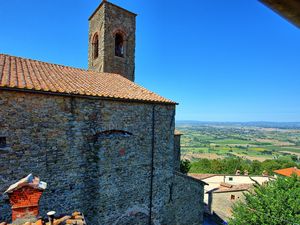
x=288 y=9
x=87 y=96
x=190 y=178
x=227 y=191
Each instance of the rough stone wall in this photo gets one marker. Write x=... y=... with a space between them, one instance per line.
x=108 y=21
x=177 y=152
x=96 y=26
x=221 y=203
x=104 y=175
x=186 y=201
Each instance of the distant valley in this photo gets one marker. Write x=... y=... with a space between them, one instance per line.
x=249 y=140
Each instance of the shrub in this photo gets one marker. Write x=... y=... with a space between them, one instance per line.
x=185 y=166
x=275 y=203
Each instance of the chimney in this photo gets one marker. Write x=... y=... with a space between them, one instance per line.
x=24 y=197
x=51 y=215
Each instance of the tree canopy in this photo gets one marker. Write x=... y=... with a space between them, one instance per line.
x=185 y=166
x=276 y=203
x=231 y=165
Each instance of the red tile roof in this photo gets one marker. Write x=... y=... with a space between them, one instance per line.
x=288 y=171
x=203 y=176
x=224 y=187
x=75 y=218
x=27 y=74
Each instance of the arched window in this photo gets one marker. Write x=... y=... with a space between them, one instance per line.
x=95 y=46
x=119 y=45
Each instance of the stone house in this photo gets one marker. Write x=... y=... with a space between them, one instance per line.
x=103 y=144
x=213 y=181
x=222 y=199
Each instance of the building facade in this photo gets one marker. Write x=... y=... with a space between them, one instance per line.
x=103 y=144
x=222 y=199
x=213 y=181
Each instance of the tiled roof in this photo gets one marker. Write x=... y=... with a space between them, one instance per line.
x=224 y=187
x=76 y=218
x=26 y=74
x=288 y=171
x=201 y=176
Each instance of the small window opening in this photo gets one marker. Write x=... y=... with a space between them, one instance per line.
x=230 y=178
x=114 y=134
x=119 y=45
x=3 y=142
x=95 y=46
x=232 y=197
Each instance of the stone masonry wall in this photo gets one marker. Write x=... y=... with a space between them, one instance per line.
x=94 y=154
x=177 y=152
x=222 y=203
x=186 y=201
x=96 y=26
x=107 y=21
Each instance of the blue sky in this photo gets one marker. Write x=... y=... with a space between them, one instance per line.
x=221 y=60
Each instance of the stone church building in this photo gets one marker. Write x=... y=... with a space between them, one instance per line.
x=104 y=144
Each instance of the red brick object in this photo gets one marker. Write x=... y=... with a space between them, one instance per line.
x=25 y=202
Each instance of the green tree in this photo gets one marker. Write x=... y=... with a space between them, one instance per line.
x=185 y=166
x=275 y=203
x=256 y=167
x=271 y=165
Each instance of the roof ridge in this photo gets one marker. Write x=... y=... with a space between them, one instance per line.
x=40 y=61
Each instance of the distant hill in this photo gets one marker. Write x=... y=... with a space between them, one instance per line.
x=261 y=124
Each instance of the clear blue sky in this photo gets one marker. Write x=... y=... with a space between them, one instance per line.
x=221 y=60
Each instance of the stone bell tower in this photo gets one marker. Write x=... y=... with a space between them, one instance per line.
x=112 y=40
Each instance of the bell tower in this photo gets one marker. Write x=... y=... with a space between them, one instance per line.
x=112 y=40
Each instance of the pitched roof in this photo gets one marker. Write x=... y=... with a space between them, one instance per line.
x=224 y=187
x=202 y=176
x=27 y=74
x=288 y=171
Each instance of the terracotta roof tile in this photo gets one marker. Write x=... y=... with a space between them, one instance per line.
x=201 y=176
x=229 y=188
x=76 y=218
x=288 y=171
x=28 y=74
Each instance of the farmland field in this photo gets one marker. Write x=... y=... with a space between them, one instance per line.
x=256 y=141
